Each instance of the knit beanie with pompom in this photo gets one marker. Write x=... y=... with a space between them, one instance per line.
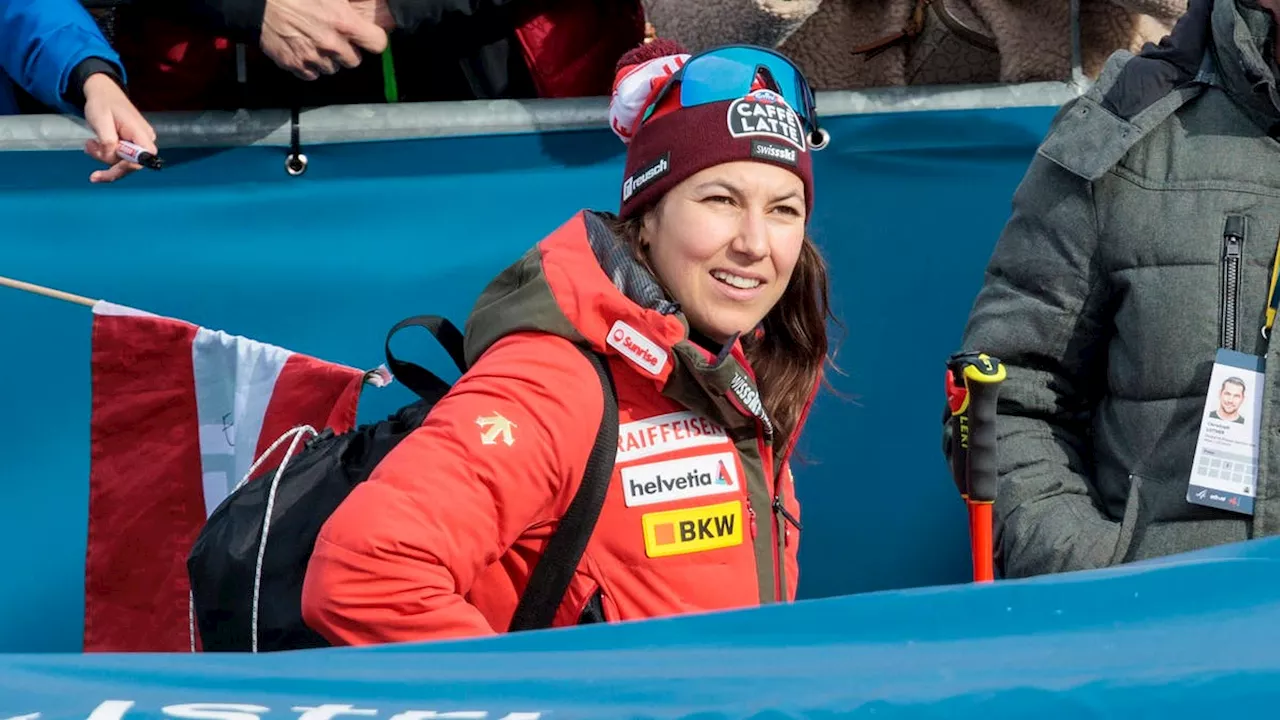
x=676 y=142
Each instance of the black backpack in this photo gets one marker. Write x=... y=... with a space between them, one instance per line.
x=237 y=608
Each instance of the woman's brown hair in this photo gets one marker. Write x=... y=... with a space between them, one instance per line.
x=788 y=358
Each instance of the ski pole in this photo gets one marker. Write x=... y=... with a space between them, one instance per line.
x=954 y=446
x=975 y=466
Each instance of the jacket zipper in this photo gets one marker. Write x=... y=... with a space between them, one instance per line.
x=777 y=526
x=1232 y=245
x=784 y=534
x=781 y=509
x=766 y=458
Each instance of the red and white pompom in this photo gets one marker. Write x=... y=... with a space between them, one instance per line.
x=641 y=74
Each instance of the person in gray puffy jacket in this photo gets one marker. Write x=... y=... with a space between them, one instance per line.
x=1141 y=241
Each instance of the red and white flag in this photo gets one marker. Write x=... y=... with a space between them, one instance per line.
x=180 y=413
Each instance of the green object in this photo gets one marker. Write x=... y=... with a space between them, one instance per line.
x=389 y=87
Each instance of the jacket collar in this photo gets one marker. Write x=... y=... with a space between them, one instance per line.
x=1243 y=58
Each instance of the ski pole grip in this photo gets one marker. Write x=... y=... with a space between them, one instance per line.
x=982 y=377
x=954 y=435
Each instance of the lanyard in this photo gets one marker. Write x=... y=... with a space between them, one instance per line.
x=1273 y=303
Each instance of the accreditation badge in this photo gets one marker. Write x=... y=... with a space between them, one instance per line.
x=1224 y=471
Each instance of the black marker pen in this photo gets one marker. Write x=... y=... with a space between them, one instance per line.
x=138 y=154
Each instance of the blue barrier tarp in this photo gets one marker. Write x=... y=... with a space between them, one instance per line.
x=908 y=207
x=1189 y=636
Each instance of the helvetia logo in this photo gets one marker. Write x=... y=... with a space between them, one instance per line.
x=681 y=479
x=723 y=477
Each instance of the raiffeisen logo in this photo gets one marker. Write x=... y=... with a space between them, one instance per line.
x=665 y=433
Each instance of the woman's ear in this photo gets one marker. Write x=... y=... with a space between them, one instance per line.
x=648 y=226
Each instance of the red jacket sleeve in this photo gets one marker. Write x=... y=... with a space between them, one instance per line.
x=501 y=453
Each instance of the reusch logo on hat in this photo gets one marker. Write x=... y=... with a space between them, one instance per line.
x=764 y=113
x=645 y=176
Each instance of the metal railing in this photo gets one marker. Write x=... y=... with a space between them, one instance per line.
x=353 y=123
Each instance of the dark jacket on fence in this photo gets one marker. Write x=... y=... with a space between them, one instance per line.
x=183 y=54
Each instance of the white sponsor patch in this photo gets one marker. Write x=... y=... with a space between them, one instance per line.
x=773 y=151
x=681 y=479
x=750 y=399
x=646 y=176
x=666 y=433
x=643 y=351
x=765 y=114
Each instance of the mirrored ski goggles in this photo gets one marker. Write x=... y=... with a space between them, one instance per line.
x=730 y=72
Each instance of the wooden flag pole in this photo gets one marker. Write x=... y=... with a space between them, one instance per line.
x=47 y=292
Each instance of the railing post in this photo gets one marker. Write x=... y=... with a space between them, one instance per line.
x=1077 y=53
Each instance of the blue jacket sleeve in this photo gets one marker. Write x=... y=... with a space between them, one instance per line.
x=42 y=42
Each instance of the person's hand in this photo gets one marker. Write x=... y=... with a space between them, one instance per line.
x=376 y=12
x=112 y=118
x=313 y=37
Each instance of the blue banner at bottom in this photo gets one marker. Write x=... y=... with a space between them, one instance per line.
x=1144 y=639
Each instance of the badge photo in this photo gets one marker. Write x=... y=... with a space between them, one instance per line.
x=1224 y=469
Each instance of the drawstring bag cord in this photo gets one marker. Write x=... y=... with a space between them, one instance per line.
x=297 y=435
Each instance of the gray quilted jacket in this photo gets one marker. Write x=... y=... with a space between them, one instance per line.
x=1114 y=283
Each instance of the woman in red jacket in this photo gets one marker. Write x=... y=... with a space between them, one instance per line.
x=710 y=303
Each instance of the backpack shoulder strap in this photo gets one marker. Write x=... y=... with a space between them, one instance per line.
x=420 y=380
x=551 y=576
